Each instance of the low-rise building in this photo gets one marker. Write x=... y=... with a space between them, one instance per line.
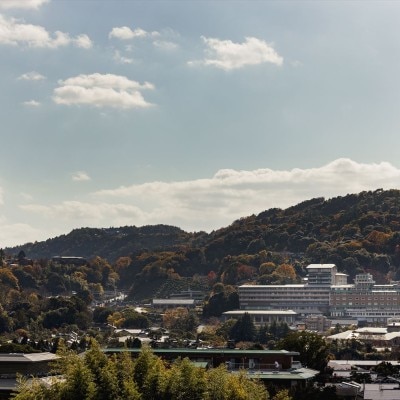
x=263 y=317
x=27 y=365
x=317 y=323
x=267 y=365
x=164 y=304
x=377 y=337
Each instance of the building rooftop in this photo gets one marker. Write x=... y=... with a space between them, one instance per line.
x=173 y=301
x=299 y=374
x=381 y=391
x=24 y=358
x=207 y=351
x=324 y=266
x=361 y=363
x=260 y=312
x=298 y=285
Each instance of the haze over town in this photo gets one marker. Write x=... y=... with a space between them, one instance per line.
x=192 y=114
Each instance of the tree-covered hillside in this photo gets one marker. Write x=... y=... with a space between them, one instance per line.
x=357 y=232
x=109 y=243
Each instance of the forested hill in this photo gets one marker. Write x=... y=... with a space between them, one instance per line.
x=358 y=232
x=109 y=243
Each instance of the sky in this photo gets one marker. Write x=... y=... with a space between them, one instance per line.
x=191 y=113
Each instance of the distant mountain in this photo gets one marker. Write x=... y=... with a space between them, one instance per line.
x=109 y=243
x=357 y=232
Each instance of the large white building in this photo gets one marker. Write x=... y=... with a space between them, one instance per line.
x=308 y=298
x=327 y=291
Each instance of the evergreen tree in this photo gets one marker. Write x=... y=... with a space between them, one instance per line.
x=244 y=329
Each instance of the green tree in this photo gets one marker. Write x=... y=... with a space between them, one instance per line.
x=127 y=386
x=142 y=365
x=312 y=348
x=222 y=385
x=188 y=381
x=244 y=329
x=282 y=395
x=79 y=381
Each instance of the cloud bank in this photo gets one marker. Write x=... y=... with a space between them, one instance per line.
x=227 y=55
x=210 y=203
x=102 y=90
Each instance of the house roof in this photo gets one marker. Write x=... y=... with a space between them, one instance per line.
x=207 y=351
x=361 y=363
x=260 y=312
x=294 y=375
x=173 y=301
x=324 y=266
x=382 y=391
x=23 y=358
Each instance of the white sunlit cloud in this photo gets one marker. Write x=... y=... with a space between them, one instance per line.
x=31 y=103
x=210 y=203
x=31 y=76
x=126 y=33
x=23 y=4
x=83 y=41
x=102 y=90
x=15 y=32
x=80 y=176
x=227 y=55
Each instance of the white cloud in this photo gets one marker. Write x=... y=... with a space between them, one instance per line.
x=80 y=176
x=126 y=33
x=121 y=59
x=14 y=32
x=83 y=41
x=102 y=90
x=228 y=55
x=26 y=4
x=31 y=76
x=85 y=213
x=217 y=201
x=31 y=103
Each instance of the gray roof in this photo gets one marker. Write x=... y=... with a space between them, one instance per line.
x=294 y=375
x=382 y=391
x=361 y=363
x=206 y=351
x=173 y=301
x=260 y=312
x=31 y=357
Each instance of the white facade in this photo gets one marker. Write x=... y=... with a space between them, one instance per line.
x=309 y=298
x=300 y=298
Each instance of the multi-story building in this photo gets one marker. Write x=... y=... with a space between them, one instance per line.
x=327 y=291
x=308 y=298
x=365 y=299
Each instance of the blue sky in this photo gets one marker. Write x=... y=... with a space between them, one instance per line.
x=191 y=113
